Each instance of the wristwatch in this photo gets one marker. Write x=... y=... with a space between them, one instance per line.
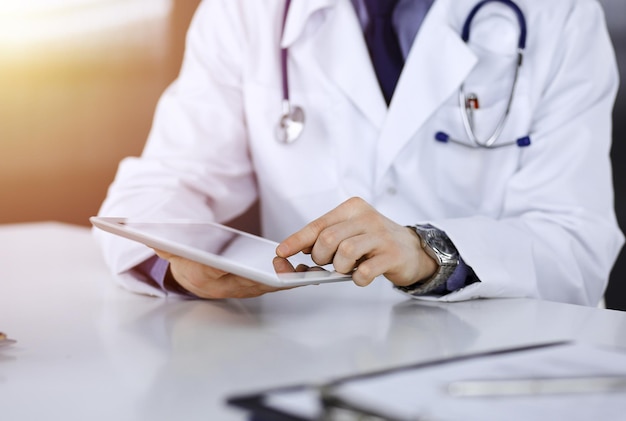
x=438 y=246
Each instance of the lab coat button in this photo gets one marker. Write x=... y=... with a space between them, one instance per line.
x=392 y=191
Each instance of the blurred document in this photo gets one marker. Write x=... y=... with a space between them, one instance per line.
x=568 y=381
x=545 y=382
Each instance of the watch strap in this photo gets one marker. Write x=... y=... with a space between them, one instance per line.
x=448 y=261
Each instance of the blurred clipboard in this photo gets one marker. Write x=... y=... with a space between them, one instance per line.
x=560 y=380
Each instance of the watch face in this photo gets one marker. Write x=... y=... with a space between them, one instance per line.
x=439 y=242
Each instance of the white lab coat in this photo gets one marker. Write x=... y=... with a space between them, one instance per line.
x=531 y=222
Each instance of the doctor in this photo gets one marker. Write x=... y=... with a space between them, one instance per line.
x=469 y=159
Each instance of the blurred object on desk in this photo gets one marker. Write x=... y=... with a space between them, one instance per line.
x=4 y=340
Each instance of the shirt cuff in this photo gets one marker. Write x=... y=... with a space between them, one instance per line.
x=462 y=276
x=459 y=277
x=157 y=271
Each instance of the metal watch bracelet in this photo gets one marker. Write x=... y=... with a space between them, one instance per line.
x=437 y=245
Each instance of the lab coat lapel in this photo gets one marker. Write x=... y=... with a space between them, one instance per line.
x=436 y=66
x=339 y=49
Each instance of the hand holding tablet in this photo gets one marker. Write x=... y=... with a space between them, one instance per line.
x=223 y=248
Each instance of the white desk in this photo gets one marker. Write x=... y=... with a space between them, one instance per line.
x=88 y=350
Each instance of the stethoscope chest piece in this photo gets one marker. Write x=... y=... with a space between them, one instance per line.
x=291 y=123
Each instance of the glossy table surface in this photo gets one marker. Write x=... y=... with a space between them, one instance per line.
x=87 y=349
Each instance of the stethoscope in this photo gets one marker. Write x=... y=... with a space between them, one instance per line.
x=292 y=119
x=291 y=123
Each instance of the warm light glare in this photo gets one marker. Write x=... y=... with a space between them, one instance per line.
x=30 y=22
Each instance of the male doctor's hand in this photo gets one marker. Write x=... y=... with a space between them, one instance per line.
x=356 y=238
x=208 y=282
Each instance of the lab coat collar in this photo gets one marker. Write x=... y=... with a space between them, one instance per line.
x=338 y=48
x=436 y=66
x=299 y=13
x=439 y=61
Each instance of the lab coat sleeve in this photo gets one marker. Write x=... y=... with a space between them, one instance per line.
x=558 y=236
x=195 y=164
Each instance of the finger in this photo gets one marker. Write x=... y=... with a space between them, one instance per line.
x=192 y=275
x=163 y=254
x=282 y=265
x=330 y=239
x=352 y=251
x=304 y=239
x=303 y=268
x=234 y=286
x=209 y=282
x=223 y=286
x=369 y=269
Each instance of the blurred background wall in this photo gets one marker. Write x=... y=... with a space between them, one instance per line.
x=79 y=80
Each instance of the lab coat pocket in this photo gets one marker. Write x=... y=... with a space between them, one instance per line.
x=485 y=120
x=492 y=83
x=472 y=179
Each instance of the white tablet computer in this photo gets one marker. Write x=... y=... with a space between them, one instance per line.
x=224 y=248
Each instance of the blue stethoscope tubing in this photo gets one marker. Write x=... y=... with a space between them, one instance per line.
x=292 y=118
x=490 y=142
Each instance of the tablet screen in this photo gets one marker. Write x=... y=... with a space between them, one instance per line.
x=224 y=248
